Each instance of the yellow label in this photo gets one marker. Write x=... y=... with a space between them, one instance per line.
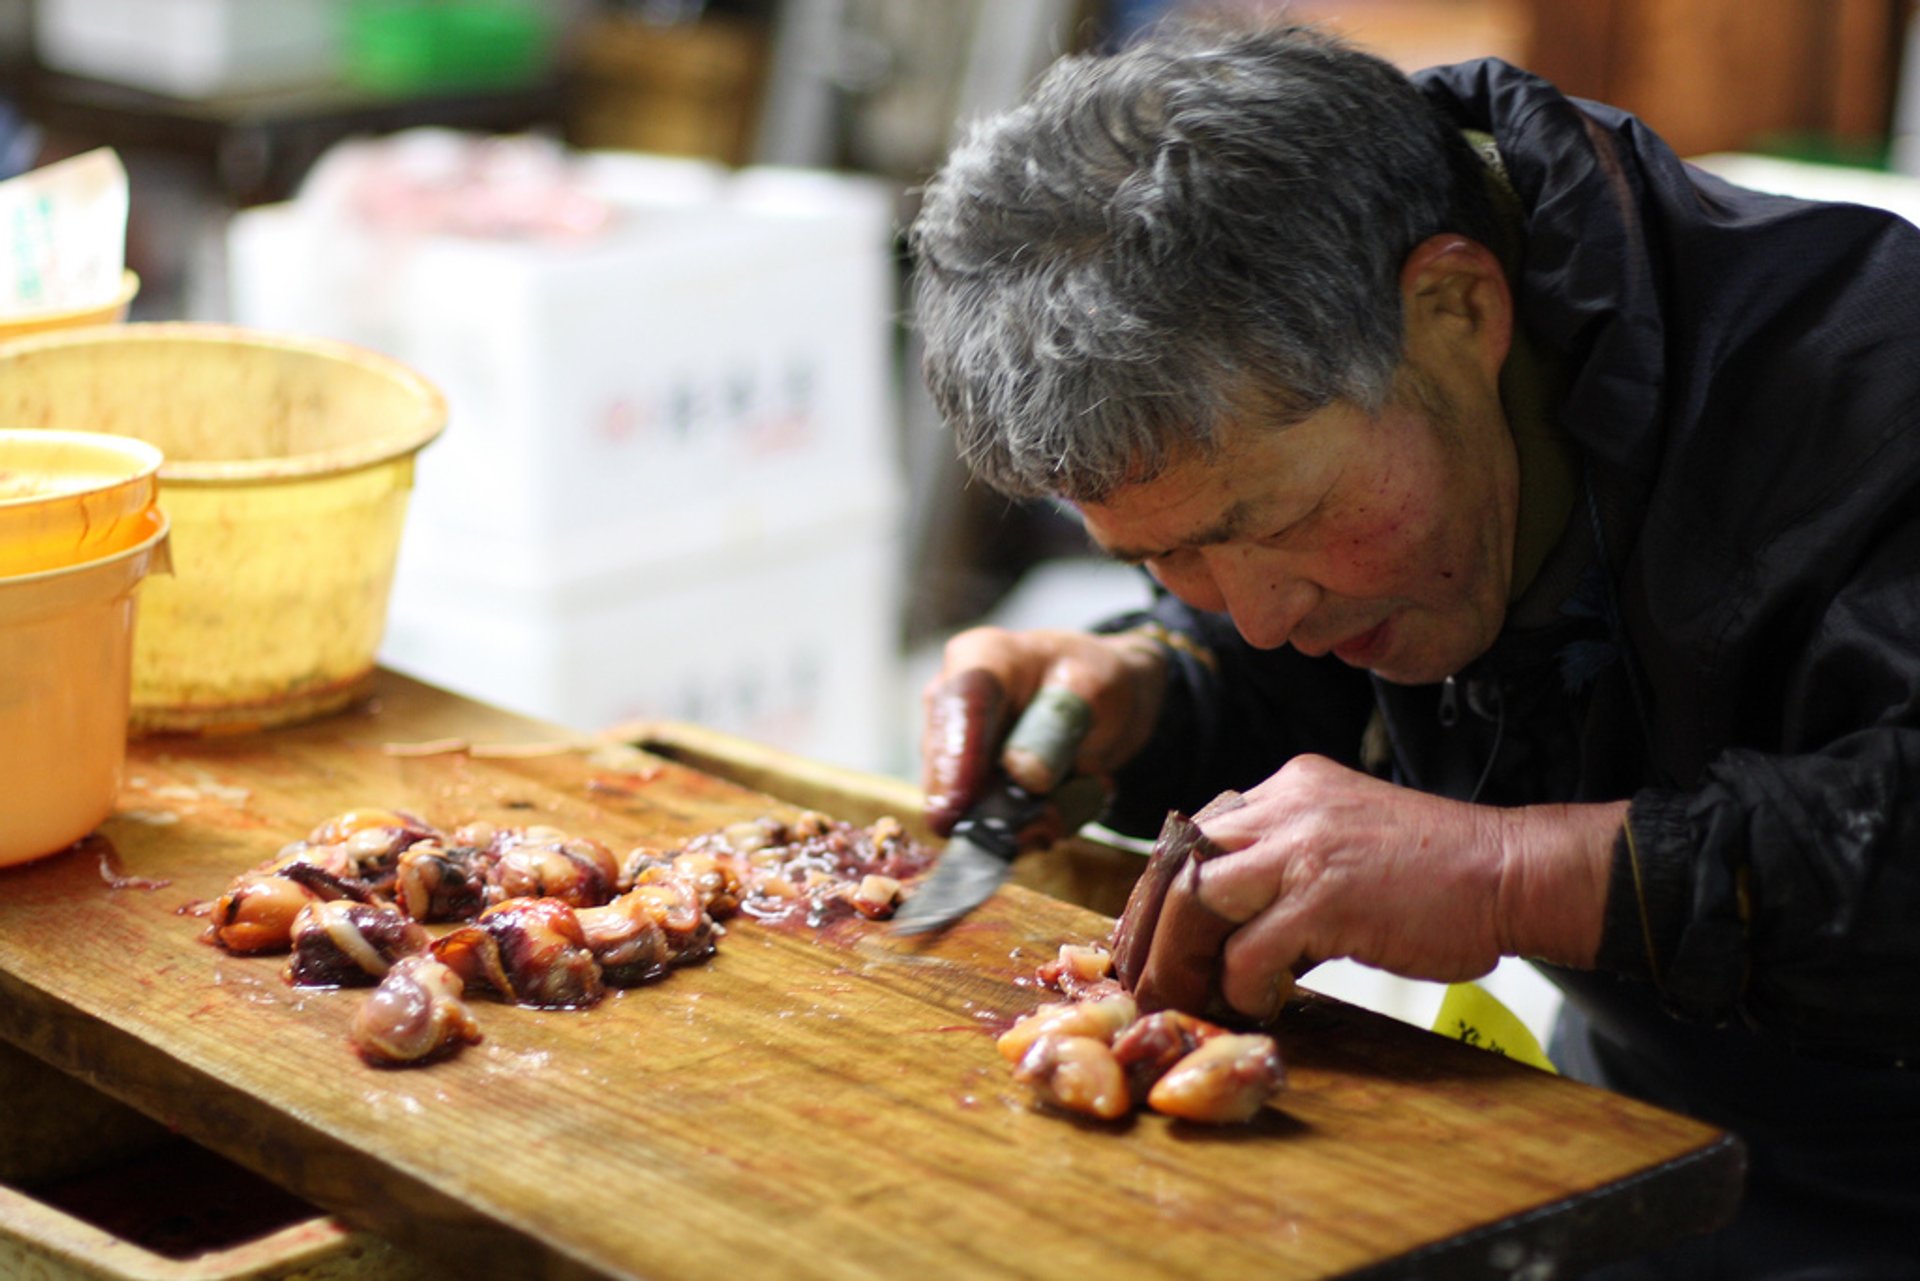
x=1470 y=1013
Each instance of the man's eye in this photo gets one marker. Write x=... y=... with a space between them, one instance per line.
x=1290 y=529
x=1175 y=558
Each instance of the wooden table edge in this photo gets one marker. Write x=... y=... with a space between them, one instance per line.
x=1661 y=1205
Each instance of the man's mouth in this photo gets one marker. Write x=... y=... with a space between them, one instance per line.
x=1366 y=648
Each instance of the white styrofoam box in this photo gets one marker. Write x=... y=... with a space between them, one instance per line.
x=717 y=366
x=790 y=641
x=635 y=180
x=192 y=48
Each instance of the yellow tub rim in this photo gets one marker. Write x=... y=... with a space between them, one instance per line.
x=429 y=420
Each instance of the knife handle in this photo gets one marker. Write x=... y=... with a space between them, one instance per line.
x=1047 y=737
x=994 y=823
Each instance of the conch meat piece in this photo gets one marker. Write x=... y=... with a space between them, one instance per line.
x=1078 y=967
x=372 y=841
x=531 y=951
x=256 y=914
x=1150 y=1047
x=715 y=875
x=1076 y=1073
x=414 y=1016
x=1101 y=1019
x=875 y=896
x=381 y=833
x=342 y=944
x=435 y=882
x=627 y=940
x=1228 y=1079
x=544 y=862
x=1166 y=945
x=675 y=906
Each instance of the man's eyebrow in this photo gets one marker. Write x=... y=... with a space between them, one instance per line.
x=1231 y=525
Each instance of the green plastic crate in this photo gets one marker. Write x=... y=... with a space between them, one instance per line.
x=409 y=46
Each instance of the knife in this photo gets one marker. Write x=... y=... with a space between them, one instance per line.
x=980 y=853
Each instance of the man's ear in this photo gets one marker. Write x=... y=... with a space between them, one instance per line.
x=1453 y=291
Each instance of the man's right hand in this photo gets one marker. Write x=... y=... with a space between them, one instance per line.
x=989 y=674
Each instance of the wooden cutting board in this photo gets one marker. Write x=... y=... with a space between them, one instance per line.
x=803 y=1105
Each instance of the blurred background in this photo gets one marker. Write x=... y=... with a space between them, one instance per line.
x=651 y=251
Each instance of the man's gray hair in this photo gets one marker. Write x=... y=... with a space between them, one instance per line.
x=1106 y=271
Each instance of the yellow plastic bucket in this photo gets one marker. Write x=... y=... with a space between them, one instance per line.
x=65 y=655
x=21 y=323
x=288 y=466
x=69 y=496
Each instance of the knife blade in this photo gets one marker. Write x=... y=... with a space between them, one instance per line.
x=979 y=855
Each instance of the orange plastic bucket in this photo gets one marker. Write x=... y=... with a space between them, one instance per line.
x=66 y=659
x=68 y=497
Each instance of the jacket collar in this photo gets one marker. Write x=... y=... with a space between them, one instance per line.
x=1586 y=285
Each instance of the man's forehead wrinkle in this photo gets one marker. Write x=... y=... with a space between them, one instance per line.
x=1232 y=523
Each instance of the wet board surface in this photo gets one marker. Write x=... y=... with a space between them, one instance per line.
x=805 y=1104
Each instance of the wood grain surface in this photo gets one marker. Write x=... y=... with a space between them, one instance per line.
x=803 y=1105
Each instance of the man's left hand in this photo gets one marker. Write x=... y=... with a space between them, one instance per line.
x=1324 y=862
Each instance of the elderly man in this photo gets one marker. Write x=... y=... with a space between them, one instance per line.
x=1536 y=523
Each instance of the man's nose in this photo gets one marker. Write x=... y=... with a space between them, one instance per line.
x=1265 y=601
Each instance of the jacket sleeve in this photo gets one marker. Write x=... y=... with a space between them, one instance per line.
x=1232 y=714
x=1784 y=889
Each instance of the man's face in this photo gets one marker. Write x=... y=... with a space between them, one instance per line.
x=1386 y=541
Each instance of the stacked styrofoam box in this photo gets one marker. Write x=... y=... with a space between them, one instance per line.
x=192 y=48
x=669 y=485
x=788 y=641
